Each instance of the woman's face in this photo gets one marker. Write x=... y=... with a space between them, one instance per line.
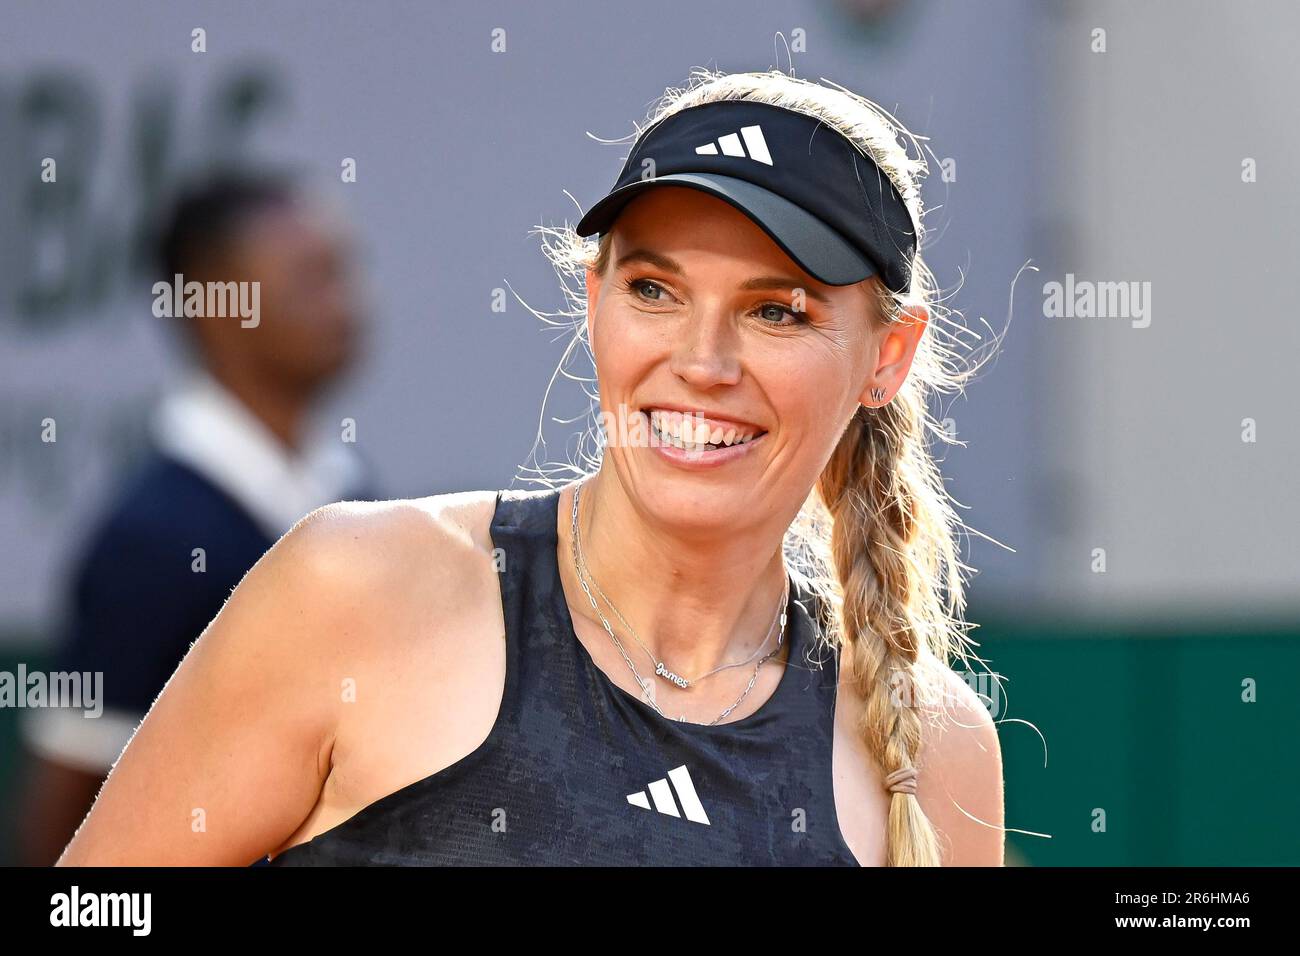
x=700 y=311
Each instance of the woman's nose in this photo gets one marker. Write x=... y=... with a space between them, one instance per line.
x=708 y=353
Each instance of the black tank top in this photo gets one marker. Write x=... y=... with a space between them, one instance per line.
x=578 y=771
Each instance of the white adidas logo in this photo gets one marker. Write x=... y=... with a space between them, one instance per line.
x=662 y=795
x=730 y=144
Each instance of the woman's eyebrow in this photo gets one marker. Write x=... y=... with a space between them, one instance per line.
x=759 y=283
x=764 y=283
x=653 y=258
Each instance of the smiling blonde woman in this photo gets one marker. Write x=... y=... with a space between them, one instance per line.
x=730 y=643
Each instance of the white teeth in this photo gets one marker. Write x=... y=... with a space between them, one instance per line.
x=678 y=430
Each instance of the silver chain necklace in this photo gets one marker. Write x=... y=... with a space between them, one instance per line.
x=646 y=689
x=661 y=669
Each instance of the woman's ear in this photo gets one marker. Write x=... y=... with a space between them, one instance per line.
x=895 y=347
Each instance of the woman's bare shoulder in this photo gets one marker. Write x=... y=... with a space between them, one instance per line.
x=960 y=782
x=385 y=548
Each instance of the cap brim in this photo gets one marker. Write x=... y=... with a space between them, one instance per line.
x=819 y=249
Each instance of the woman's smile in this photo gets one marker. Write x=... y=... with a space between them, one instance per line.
x=699 y=439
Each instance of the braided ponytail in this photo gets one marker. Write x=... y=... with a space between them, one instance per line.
x=875 y=514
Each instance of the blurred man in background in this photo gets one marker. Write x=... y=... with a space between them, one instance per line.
x=233 y=465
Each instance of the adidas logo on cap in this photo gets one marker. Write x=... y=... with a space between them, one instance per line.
x=662 y=794
x=730 y=144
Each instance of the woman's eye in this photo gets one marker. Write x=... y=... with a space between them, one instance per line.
x=639 y=286
x=776 y=312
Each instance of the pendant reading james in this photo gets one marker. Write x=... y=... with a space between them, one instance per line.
x=669 y=675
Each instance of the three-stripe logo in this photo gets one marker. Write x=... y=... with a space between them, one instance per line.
x=662 y=795
x=730 y=145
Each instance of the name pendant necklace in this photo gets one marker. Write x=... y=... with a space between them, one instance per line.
x=579 y=564
x=661 y=669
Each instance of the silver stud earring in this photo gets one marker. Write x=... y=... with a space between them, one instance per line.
x=878 y=394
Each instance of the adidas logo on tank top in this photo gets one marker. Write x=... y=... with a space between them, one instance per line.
x=662 y=795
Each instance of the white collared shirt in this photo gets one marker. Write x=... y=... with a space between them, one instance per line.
x=204 y=426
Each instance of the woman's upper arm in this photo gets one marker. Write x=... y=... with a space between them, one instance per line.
x=234 y=751
x=960 y=780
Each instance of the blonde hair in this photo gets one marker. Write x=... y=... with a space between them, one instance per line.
x=876 y=540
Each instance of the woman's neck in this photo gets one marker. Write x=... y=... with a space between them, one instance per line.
x=697 y=601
